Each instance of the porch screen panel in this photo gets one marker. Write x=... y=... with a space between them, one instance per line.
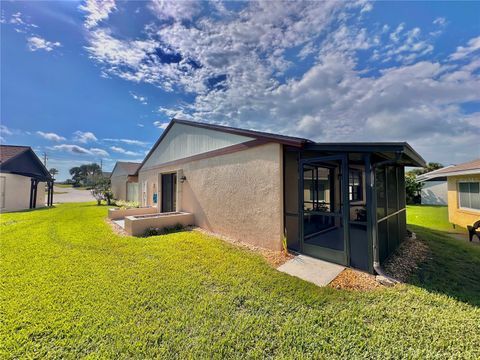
x=390 y=195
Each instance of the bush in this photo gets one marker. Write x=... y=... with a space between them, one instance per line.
x=122 y=204
x=164 y=231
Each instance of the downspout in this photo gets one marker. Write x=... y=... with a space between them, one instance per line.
x=376 y=256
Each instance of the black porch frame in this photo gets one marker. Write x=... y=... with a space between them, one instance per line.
x=385 y=225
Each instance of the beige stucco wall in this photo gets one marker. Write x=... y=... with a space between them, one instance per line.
x=456 y=215
x=118 y=185
x=17 y=193
x=239 y=195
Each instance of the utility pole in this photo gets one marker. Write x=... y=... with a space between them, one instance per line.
x=45 y=159
x=101 y=164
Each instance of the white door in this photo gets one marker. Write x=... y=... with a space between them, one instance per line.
x=2 y=191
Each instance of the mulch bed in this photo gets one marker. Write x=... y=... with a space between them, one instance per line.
x=407 y=258
x=350 y=279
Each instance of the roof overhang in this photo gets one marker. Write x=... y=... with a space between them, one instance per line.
x=401 y=151
x=258 y=135
x=458 y=173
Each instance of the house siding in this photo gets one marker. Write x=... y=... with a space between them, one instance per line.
x=238 y=195
x=434 y=193
x=17 y=193
x=457 y=215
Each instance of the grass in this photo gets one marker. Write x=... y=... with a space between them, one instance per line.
x=71 y=288
x=432 y=217
x=60 y=192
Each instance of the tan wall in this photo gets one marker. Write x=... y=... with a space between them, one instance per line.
x=456 y=215
x=17 y=193
x=239 y=195
x=119 y=187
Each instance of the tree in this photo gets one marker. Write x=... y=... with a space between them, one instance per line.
x=431 y=166
x=412 y=188
x=86 y=174
x=101 y=190
x=53 y=172
x=75 y=172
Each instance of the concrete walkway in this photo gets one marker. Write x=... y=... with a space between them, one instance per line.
x=316 y=271
x=120 y=223
x=71 y=195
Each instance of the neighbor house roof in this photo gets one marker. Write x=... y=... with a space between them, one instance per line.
x=8 y=152
x=130 y=168
x=22 y=160
x=389 y=150
x=468 y=168
x=433 y=174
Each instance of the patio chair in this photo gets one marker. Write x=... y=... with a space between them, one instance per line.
x=474 y=230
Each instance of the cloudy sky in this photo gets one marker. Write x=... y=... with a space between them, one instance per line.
x=84 y=81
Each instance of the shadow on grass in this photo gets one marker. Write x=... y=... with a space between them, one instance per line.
x=453 y=267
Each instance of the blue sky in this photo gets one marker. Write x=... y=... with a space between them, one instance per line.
x=99 y=80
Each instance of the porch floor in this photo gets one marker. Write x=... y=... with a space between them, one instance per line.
x=316 y=271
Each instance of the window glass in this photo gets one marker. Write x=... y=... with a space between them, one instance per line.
x=355 y=190
x=469 y=195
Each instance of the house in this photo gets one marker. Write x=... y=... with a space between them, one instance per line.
x=434 y=190
x=341 y=202
x=463 y=185
x=23 y=179
x=124 y=181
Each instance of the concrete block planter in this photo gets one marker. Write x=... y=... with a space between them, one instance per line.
x=138 y=225
x=118 y=213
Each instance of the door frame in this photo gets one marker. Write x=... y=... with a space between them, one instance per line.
x=337 y=256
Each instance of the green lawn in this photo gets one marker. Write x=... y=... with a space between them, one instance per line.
x=432 y=217
x=70 y=288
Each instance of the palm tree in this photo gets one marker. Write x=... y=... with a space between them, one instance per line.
x=53 y=172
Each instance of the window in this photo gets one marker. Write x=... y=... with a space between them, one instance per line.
x=355 y=190
x=469 y=195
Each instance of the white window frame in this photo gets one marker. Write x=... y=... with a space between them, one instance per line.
x=458 y=194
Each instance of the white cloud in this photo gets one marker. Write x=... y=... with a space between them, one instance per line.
x=97 y=11
x=98 y=152
x=177 y=10
x=121 y=150
x=84 y=137
x=140 y=125
x=142 y=99
x=75 y=149
x=5 y=130
x=129 y=141
x=440 y=21
x=234 y=67
x=463 y=51
x=35 y=43
x=50 y=136
x=160 y=124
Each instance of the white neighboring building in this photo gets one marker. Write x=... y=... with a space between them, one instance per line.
x=23 y=179
x=435 y=189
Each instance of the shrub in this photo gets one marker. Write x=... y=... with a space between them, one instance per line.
x=165 y=230
x=122 y=204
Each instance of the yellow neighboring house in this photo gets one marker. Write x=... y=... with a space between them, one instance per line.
x=463 y=192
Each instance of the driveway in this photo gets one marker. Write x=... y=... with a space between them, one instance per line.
x=71 y=195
